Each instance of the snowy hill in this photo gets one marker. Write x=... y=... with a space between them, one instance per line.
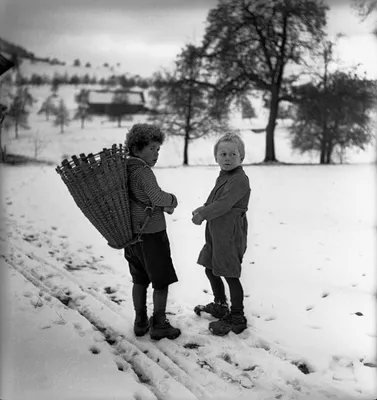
x=100 y=133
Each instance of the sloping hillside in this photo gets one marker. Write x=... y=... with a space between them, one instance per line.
x=12 y=49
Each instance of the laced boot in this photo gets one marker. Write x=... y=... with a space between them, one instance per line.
x=141 y=324
x=160 y=327
x=218 y=308
x=235 y=322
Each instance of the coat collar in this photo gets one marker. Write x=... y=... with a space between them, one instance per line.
x=236 y=170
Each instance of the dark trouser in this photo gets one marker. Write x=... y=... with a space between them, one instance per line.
x=150 y=261
x=235 y=289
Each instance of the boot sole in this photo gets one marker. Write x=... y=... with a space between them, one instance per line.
x=139 y=334
x=171 y=337
x=219 y=333
x=198 y=310
x=142 y=332
x=237 y=331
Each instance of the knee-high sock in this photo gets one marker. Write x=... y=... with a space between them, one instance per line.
x=139 y=297
x=236 y=294
x=160 y=297
x=217 y=285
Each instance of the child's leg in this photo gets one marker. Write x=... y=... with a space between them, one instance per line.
x=235 y=321
x=219 y=307
x=160 y=298
x=160 y=326
x=236 y=295
x=217 y=286
x=139 y=297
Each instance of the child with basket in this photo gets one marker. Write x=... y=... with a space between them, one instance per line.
x=149 y=258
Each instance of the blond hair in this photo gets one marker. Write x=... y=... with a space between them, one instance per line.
x=233 y=138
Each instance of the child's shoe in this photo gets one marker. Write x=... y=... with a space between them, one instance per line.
x=141 y=324
x=235 y=322
x=217 y=309
x=160 y=328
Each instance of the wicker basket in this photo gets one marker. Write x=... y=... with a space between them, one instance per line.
x=98 y=185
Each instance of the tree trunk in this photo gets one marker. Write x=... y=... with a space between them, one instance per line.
x=16 y=128
x=187 y=127
x=329 y=151
x=270 y=130
x=185 y=148
x=2 y=158
x=62 y=128
x=82 y=123
x=322 y=159
x=119 y=122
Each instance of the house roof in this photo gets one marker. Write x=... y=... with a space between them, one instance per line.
x=107 y=97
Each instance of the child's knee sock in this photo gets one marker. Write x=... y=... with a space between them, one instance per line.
x=217 y=285
x=236 y=295
x=160 y=297
x=139 y=297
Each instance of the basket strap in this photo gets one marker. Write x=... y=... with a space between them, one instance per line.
x=147 y=208
x=136 y=200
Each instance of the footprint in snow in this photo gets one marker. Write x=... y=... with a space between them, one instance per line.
x=314 y=327
x=36 y=302
x=191 y=345
x=109 y=290
x=94 y=349
x=270 y=318
x=78 y=328
x=71 y=267
x=309 y=308
x=116 y=300
x=343 y=369
x=30 y=238
x=121 y=366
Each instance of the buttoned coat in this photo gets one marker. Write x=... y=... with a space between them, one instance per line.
x=226 y=227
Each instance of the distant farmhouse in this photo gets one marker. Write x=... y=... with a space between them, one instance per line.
x=115 y=103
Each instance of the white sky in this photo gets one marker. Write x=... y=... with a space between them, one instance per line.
x=142 y=35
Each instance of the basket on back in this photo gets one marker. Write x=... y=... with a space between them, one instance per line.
x=98 y=184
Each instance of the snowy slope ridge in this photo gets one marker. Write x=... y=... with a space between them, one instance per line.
x=167 y=367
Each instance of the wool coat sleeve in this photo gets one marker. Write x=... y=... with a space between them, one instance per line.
x=148 y=184
x=234 y=190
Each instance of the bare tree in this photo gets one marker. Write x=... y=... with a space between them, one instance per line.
x=249 y=44
x=185 y=107
x=365 y=8
x=61 y=116
x=18 y=112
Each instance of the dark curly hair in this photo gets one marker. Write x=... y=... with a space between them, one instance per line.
x=140 y=135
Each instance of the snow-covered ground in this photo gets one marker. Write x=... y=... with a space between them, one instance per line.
x=309 y=279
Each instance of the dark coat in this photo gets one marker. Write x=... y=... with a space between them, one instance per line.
x=226 y=228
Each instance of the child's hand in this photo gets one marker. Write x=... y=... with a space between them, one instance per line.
x=198 y=210
x=169 y=210
x=197 y=219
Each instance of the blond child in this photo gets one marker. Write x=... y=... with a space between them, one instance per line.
x=225 y=236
